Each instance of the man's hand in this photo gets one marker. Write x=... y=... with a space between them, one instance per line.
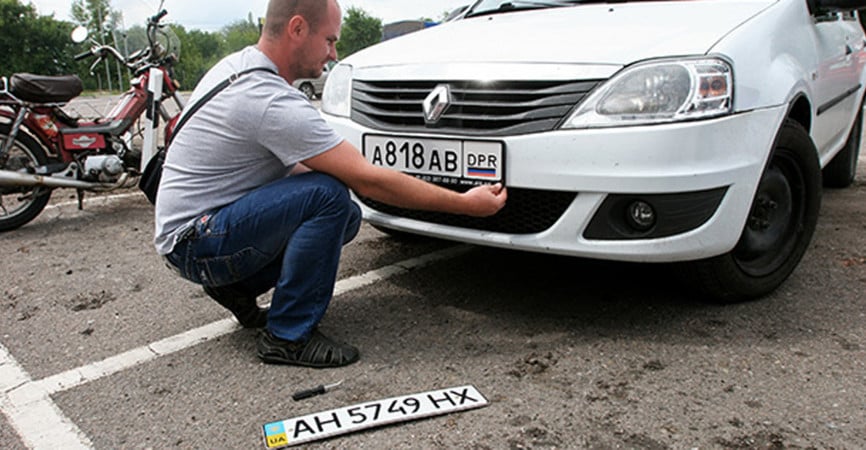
x=346 y=163
x=485 y=200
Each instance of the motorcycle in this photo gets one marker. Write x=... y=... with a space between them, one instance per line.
x=43 y=148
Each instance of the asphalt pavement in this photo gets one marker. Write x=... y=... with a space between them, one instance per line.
x=102 y=347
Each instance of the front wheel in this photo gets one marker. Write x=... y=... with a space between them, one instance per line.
x=21 y=204
x=779 y=227
x=308 y=90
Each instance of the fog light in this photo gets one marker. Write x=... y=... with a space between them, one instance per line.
x=640 y=215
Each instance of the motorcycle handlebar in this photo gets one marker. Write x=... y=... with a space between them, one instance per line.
x=158 y=16
x=103 y=51
x=135 y=61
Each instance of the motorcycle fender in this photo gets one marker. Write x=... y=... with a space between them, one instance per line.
x=169 y=129
x=8 y=116
x=83 y=141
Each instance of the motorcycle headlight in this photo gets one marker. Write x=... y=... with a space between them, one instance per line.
x=337 y=94
x=658 y=92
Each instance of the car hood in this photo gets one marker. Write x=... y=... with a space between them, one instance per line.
x=598 y=34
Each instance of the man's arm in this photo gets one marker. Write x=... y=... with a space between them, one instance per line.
x=346 y=163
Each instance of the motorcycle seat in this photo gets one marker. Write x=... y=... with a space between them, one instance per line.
x=44 y=88
x=114 y=128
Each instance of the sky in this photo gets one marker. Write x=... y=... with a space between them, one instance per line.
x=212 y=15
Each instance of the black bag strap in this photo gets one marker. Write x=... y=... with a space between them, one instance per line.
x=211 y=94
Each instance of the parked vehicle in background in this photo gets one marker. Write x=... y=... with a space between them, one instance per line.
x=42 y=148
x=313 y=87
x=668 y=131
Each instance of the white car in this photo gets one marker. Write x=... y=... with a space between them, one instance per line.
x=653 y=131
x=312 y=87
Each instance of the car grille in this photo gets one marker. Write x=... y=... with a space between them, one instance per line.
x=527 y=211
x=479 y=109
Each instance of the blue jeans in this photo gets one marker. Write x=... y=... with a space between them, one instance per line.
x=285 y=235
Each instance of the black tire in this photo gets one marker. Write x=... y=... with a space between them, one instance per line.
x=842 y=169
x=308 y=90
x=20 y=205
x=780 y=225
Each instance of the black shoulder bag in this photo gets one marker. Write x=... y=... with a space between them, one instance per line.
x=149 y=182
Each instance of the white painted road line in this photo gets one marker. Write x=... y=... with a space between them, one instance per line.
x=103 y=199
x=41 y=425
x=39 y=422
x=126 y=360
x=359 y=281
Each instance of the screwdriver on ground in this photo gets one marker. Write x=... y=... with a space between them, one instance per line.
x=318 y=390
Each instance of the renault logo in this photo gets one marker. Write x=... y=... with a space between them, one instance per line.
x=436 y=103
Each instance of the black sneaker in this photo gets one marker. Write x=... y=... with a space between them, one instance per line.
x=243 y=306
x=319 y=351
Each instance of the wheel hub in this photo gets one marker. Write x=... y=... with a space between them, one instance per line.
x=761 y=217
x=770 y=219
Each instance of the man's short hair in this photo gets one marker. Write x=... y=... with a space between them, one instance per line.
x=280 y=11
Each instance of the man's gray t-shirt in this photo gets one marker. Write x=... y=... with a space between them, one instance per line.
x=251 y=133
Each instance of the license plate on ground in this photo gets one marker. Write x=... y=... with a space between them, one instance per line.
x=376 y=413
x=448 y=161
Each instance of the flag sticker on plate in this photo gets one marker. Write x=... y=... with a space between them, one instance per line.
x=483 y=160
x=480 y=172
x=313 y=427
x=275 y=435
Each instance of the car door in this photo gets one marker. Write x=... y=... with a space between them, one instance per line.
x=835 y=82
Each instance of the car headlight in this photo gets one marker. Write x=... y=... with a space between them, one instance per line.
x=337 y=94
x=658 y=92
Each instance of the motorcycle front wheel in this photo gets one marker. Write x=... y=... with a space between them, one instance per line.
x=21 y=204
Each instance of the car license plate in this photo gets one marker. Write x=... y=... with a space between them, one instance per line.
x=376 y=413
x=445 y=161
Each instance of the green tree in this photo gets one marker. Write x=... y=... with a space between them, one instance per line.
x=201 y=50
x=93 y=14
x=134 y=39
x=33 y=43
x=102 y=22
x=360 y=31
x=239 y=35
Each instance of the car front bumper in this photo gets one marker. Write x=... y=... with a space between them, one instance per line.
x=700 y=176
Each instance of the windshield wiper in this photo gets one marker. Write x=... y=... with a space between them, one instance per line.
x=574 y=2
x=513 y=5
x=519 y=4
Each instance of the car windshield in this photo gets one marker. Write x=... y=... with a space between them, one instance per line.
x=485 y=7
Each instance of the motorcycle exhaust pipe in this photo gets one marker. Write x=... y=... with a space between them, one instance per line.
x=10 y=178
